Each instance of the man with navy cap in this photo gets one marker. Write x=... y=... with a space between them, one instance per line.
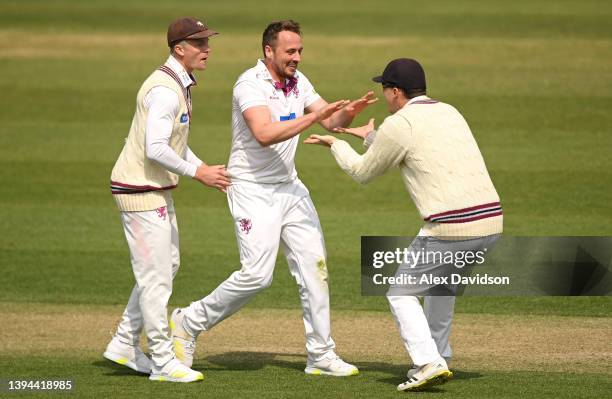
x=448 y=181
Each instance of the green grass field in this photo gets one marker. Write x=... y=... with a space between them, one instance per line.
x=533 y=79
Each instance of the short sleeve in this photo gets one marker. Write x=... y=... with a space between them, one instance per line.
x=247 y=94
x=310 y=94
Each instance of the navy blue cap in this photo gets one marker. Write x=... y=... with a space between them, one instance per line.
x=404 y=73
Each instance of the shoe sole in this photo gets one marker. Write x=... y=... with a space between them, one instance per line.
x=316 y=371
x=436 y=379
x=163 y=378
x=124 y=361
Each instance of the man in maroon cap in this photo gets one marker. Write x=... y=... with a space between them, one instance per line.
x=155 y=154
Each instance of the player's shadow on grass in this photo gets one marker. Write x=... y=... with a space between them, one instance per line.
x=116 y=370
x=242 y=361
x=398 y=374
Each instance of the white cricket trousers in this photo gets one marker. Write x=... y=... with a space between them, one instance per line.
x=414 y=329
x=267 y=216
x=425 y=331
x=439 y=312
x=152 y=237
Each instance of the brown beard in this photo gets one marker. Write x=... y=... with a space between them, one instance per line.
x=281 y=71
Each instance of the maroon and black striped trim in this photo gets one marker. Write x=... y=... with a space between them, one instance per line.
x=123 y=188
x=174 y=76
x=430 y=101
x=186 y=94
x=467 y=214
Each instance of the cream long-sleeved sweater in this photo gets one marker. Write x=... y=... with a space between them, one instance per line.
x=441 y=166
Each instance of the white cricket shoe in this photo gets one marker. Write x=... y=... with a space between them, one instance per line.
x=331 y=365
x=175 y=371
x=128 y=355
x=184 y=344
x=427 y=375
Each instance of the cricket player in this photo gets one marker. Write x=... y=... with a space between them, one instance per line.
x=155 y=154
x=448 y=181
x=272 y=103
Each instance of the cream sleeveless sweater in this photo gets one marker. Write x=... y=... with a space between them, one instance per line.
x=137 y=183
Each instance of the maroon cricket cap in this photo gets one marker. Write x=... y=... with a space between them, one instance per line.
x=404 y=73
x=188 y=28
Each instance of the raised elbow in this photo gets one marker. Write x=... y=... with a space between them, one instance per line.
x=263 y=139
x=360 y=177
x=363 y=180
x=264 y=142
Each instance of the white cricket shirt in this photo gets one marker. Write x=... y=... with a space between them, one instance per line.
x=249 y=161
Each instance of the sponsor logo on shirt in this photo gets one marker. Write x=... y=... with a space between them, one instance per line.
x=287 y=117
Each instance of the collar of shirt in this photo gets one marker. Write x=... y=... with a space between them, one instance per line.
x=262 y=72
x=187 y=79
x=288 y=86
x=418 y=98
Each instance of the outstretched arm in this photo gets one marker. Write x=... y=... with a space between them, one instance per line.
x=383 y=154
x=365 y=132
x=344 y=116
x=268 y=132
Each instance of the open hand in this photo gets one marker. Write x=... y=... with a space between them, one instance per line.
x=321 y=140
x=360 y=132
x=328 y=110
x=356 y=106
